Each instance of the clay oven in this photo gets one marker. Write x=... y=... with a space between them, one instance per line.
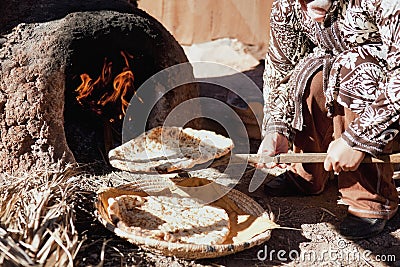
x=43 y=63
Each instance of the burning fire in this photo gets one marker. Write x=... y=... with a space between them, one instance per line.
x=106 y=94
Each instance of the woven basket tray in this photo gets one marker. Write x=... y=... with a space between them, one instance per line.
x=181 y=250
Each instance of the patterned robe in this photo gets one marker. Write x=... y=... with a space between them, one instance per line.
x=353 y=29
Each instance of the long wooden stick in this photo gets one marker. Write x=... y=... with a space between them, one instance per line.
x=306 y=158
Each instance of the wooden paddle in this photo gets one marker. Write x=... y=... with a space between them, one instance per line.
x=301 y=158
x=304 y=158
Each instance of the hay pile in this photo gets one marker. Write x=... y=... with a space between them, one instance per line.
x=37 y=219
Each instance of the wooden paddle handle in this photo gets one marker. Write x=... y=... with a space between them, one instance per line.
x=317 y=158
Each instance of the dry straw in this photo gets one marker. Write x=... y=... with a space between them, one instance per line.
x=37 y=219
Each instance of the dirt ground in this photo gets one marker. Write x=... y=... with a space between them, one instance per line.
x=316 y=242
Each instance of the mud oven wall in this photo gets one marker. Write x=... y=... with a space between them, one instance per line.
x=36 y=62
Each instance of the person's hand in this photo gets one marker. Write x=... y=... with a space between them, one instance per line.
x=342 y=157
x=271 y=145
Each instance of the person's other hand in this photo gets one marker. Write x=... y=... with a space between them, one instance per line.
x=273 y=144
x=342 y=157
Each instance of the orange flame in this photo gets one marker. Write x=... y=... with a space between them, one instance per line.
x=122 y=85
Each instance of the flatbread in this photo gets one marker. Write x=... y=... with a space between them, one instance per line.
x=172 y=219
x=166 y=149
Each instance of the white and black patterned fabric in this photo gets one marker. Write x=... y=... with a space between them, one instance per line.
x=358 y=49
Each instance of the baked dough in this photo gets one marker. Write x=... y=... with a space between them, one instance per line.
x=166 y=149
x=170 y=218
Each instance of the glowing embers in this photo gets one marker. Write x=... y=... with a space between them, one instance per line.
x=109 y=95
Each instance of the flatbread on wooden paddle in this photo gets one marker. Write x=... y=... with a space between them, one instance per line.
x=165 y=149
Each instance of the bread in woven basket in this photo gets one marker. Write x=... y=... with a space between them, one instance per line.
x=170 y=218
x=242 y=222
